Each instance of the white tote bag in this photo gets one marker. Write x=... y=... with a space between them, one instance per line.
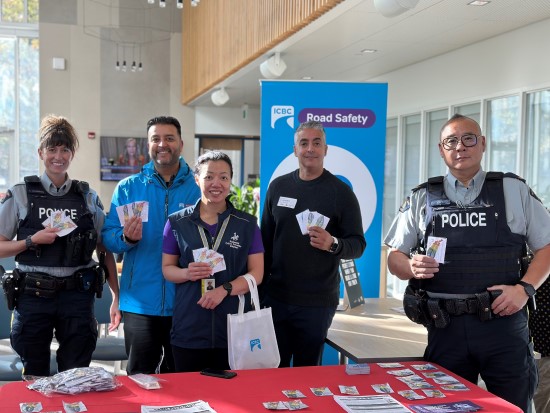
x=251 y=337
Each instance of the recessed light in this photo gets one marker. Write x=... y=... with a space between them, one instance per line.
x=367 y=51
x=479 y=3
x=306 y=78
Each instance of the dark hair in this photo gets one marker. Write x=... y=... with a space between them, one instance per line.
x=454 y=118
x=57 y=131
x=312 y=124
x=212 y=156
x=164 y=120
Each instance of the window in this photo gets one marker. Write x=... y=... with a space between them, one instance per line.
x=411 y=134
x=537 y=137
x=19 y=87
x=390 y=175
x=435 y=120
x=502 y=132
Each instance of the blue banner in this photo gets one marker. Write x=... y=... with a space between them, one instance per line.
x=354 y=117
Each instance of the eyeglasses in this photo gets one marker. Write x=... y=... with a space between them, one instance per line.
x=467 y=140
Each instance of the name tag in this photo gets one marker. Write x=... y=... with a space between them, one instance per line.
x=287 y=202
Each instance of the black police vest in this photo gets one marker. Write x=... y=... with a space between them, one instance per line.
x=71 y=250
x=481 y=250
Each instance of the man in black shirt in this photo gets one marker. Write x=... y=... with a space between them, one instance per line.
x=301 y=260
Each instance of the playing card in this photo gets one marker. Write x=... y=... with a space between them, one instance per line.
x=127 y=211
x=321 y=391
x=382 y=388
x=294 y=394
x=351 y=390
x=436 y=248
x=211 y=257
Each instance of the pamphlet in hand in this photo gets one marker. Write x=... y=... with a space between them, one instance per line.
x=127 y=211
x=61 y=222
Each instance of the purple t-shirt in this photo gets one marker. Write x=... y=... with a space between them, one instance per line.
x=170 y=244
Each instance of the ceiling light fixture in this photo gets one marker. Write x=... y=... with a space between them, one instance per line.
x=368 y=51
x=219 y=97
x=478 y=3
x=273 y=67
x=392 y=8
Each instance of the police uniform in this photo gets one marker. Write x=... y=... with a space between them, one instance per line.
x=57 y=299
x=486 y=226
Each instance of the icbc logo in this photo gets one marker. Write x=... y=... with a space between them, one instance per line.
x=278 y=112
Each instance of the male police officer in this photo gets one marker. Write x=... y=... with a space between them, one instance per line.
x=473 y=303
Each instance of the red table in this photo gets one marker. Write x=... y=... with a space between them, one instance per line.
x=244 y=393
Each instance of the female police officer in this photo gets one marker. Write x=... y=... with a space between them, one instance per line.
x=57 y=273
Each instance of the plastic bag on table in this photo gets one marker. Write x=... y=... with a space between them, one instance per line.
x=74 y=381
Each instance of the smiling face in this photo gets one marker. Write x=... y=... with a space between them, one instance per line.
x=214 y=181
x=57 y=160
x=164 y=145
x=463 y=162
x=310 y=149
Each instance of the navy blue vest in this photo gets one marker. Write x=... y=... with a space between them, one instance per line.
x=481 y=249
x=72 y=250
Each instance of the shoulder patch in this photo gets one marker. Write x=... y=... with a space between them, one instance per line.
x=99 y=203
x=406 y=205
x=532 y=193
x=6 y=196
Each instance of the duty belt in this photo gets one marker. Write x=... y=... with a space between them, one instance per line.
x=458 y=304
x=41 y=284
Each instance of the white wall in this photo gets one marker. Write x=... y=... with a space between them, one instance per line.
x=227 y=121
x=515 y=61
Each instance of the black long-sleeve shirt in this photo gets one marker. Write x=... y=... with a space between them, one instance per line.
x=295 y=272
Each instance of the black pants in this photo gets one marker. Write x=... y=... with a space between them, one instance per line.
x=301 y=332
x=70 y=314
x=147 y=340
x=197 y=359
x=499 y=350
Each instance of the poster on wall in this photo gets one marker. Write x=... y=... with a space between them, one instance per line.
x=354 y=118
x=121 y=157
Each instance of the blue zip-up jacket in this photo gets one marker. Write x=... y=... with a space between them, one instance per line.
x=143 y=289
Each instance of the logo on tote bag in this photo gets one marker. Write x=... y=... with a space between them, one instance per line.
x=255 y=342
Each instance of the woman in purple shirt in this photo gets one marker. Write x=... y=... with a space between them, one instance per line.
x=195 y=241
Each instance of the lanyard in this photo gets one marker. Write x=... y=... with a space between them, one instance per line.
x=218 y=238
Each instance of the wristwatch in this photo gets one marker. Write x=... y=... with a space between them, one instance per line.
x=29 y=244
x=529 y=289
x=334 y=245
x=228 y=287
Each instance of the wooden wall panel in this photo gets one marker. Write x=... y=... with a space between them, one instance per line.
x=219 y=37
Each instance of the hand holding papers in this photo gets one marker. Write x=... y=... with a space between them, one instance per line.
x=211 y=257
x=58 y=220
x=309 y=218
x=127 y=211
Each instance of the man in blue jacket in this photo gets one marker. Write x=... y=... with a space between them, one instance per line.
x=146 y=298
